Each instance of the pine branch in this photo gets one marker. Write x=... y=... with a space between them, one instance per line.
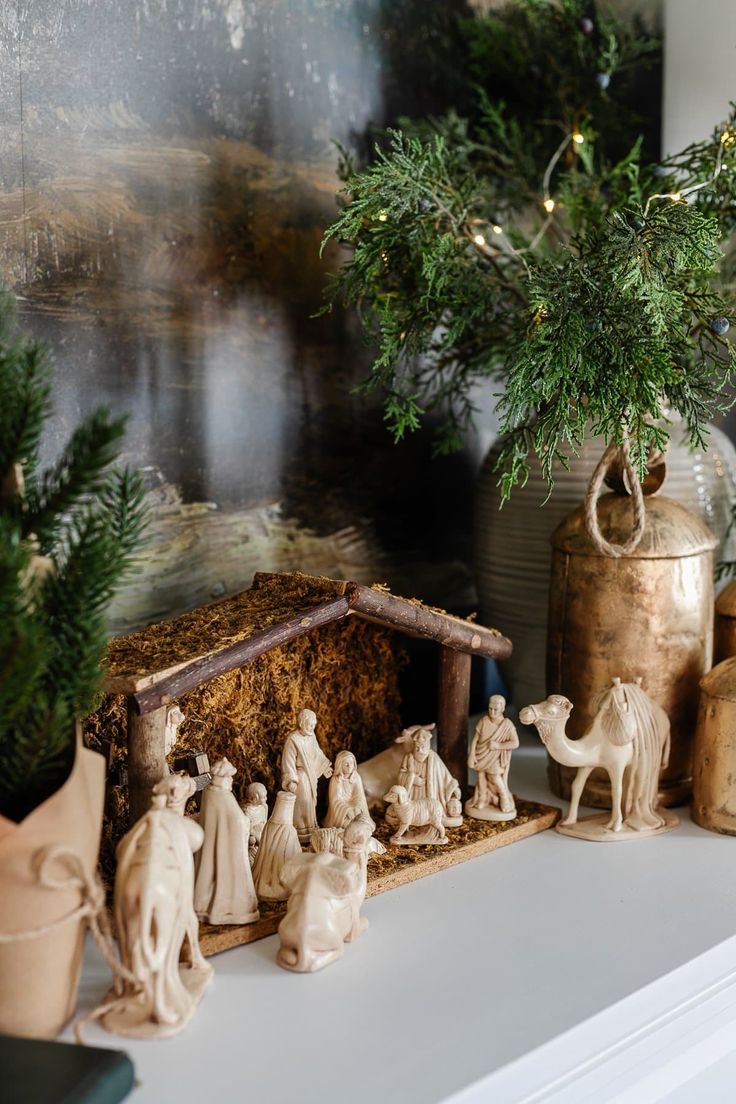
x=89 y=521
x=80 y=472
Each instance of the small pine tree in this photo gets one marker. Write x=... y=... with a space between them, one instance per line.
x=538 y=243
x=67 y=537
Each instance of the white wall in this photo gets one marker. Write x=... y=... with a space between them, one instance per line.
x=700 y=68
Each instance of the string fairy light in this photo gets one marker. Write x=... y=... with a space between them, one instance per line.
x=548 y=203
x=576 y=138
x=481 y=243
x=727 y=139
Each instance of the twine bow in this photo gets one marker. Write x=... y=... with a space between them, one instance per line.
x=91 y=907
x=606 y=548
x=47 y=863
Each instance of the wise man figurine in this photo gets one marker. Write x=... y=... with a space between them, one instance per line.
x=490 y=755
x=424 y=775
x=303 y=763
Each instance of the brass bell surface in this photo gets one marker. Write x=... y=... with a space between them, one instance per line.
x=724 y=633
x=714 y=751
x=648 y=614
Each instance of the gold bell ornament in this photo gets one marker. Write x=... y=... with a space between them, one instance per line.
x=631 y=596
x=714 y=753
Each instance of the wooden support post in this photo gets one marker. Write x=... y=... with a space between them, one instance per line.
x=453 y=703
x=146 y=757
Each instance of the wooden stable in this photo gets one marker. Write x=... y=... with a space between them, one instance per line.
x=153 y=684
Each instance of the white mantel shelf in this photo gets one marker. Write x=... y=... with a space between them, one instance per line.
x=551 y=970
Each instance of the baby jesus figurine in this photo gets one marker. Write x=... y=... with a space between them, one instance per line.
x=490 y=755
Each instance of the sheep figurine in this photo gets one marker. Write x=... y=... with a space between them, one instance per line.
x=419 y=821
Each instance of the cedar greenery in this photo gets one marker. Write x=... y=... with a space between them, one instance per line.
x=67 y=538
x=596 y=316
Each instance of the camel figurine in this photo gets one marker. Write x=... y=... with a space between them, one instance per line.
x=326 y=893
x=630 y=740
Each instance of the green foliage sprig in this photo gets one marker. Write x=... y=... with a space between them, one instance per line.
x=595 y=315
x=67 y=538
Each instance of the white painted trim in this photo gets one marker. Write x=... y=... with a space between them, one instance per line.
x=635 y=1052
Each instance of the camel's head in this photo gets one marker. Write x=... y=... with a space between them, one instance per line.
x=554 y=708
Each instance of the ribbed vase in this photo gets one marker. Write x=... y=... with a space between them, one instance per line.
x=512 y=545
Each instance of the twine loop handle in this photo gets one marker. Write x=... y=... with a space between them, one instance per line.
x=606 y=548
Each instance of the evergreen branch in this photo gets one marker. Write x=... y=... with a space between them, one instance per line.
x=80 y=472
x=88 y=521
x=594 y=316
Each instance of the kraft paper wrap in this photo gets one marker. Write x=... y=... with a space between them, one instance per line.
x=39 y=976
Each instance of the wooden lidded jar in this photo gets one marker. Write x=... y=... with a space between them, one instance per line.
x=724 y=638
x=647 y=613
x=714 y=752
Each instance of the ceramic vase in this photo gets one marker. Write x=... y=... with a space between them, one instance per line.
x=60 y=841
x=512 y=545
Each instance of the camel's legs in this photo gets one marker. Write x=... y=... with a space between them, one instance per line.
x=577 y=789
x=616 y=774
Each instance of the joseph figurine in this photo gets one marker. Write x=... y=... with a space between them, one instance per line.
x=303 y=763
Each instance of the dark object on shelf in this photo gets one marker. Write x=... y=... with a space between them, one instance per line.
x=37 y=1072
x=197 y=765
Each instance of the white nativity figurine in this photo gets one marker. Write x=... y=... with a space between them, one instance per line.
x=177 y=789
x=303 y=763
x=156 y=994
x=490 y=755
x=425 y=777
x=417 y=821
x=326 y=893
x=378 y=775
x=629 y=738
x=223 y=889
x=346 y=797
x=327 y=839
x=255 y=808
x=279 y=843
x=174 y=720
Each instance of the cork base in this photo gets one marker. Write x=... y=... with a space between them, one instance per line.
x=401 y=865
x=488 y=812
x=594 y=829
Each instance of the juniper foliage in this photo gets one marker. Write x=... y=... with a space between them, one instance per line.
x=593 y=317
x=67 y=538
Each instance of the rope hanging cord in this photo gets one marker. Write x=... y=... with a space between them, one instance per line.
x=615 y=551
